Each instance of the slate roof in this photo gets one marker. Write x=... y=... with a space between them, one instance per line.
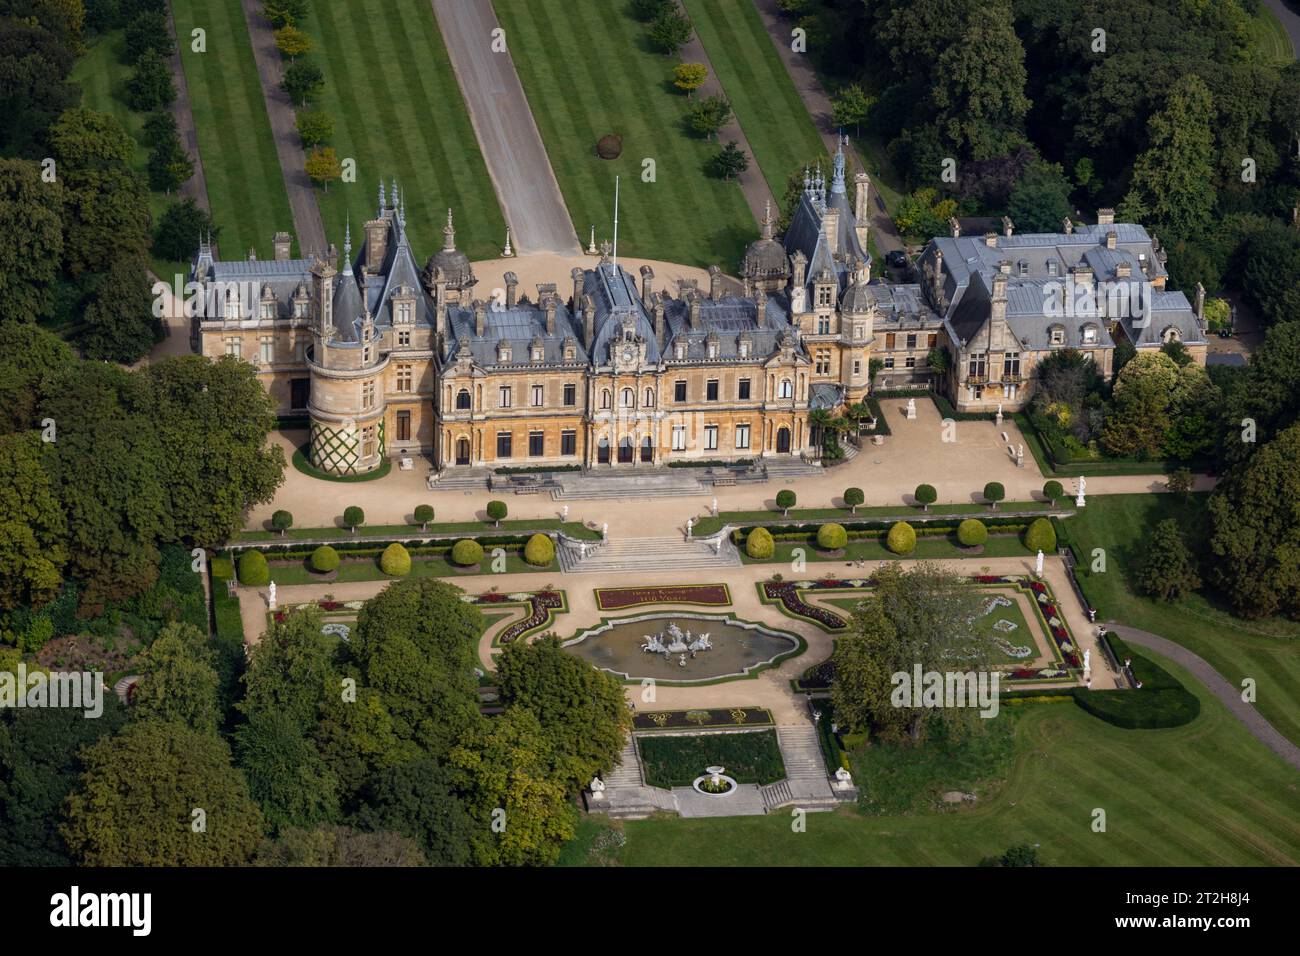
x=726 y=320
x=520 y=326
x=805 y=232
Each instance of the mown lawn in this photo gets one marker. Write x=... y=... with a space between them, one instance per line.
x=1269 y=38
x=1266 y=650
x=587 y=70
x=102 y=76
x=399 y=113
x=1204 y=794
x=245 y=185
x=769 y=109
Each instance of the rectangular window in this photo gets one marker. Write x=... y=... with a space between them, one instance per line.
x=978 y=366
x=934 y=339
x=857 y=366
x=268 y=310
x=824 y=296
x=911 y=340
x=889 y=340
x=742 y=437
x=568 y=443
x=889 y=362
x=232 y=347
x=503 y=397
x=368 y=394
x=679 y=438
x=911 y=361
x=404 y=338
x=268 y=351
x=743 y=392
x=711 y=390
x=368 y=446
x=536 y=444
x=823 y=362
x=570 y=395
x=404 y=426
x=404 y=378
x=503 y=445
x=679 y=391
x=537 y=396
x=710 y=437
x=824 y=325
x=1011 y=364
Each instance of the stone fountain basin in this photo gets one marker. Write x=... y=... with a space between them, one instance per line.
x=739 y=647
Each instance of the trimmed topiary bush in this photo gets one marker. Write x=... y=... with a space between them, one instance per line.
x=925 y=496
x=466 y=552
x=759 y=545
x=972 y=533
x=354 y=518
x=1052 y=491
x=854 y=497
x=223 y=569
x=497 y=510
x=993 y=493
x=423 y=515
x=253 y=569
x=282 y=521
x=1040 y=536
x=324 y=560
x=832 y=537
x=785 y=500
x=539 y=551
x=395 y=561
x=901 y=538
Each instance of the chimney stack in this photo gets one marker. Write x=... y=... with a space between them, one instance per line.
x=577 y=276
x=1007 y=226
x=1105 y=217
x=761 y=315
x=512 y=289
x=695 y=309
x=480 y=317
x=282 y=242
x=548 y=303
x=715 y=283
x=659 y=318
x=1110 y=239
x=954 y=227
x=588 y=320
x=991 y=240
x=647 y=283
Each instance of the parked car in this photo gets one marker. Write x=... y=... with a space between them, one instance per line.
x=897 y=259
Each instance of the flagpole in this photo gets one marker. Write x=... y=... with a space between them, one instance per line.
x=615 y=222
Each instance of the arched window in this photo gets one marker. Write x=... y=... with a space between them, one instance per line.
x=1170 y=334
x=786 y=390
x=649 y=398
x=462 y=400
x=628 y=398
x=604 y=398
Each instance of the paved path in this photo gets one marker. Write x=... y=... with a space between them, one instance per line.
x=758 y=192
x=1230 y=696
x=1290 y=21
x=196 y=187
x=507 y=133
x=307 y=223
x=818 y=105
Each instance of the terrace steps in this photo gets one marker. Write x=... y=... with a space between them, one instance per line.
x=665 y=483
x=649 y=554
x=628 y=771
x=805 y=769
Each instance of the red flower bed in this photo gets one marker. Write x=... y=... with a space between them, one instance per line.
x=540 y=606
x=617 y=599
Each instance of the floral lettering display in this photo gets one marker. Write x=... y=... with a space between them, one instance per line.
x=617 y=599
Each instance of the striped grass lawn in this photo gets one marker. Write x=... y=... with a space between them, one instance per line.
x=769 y=109
x=1268 y=651
x=102 y=77
x=587 y=70
x=245 y=185
x=1204 y=794
x=1269 y=38
x=399 y=113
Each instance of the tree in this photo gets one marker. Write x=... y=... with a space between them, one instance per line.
x=1255 y=532
x=134 y=805
x=119 y=322
x=670 y=30
x=466 y=552
x=146 y=32
x=1168 y=568
x=289 y=670
x=759 y=544
x=972 y=533
x=253 y=569
x=339 y=846
x=689 y=77
x=282 y=521
x=1139 y=416
x=1022 y=854
x=924 y=214
x=160 y=127
x=1040 y=201
x=179 y=228
x=647 y=10
x=323 y=167
x=497 y=511
x=508 y=765
x=303 y=81
x=1053 y=492
x=315 y=127
x=179 y=682
x=40 y=762
x=832 y=537
x=925 y=496
x=708 y=115
x=1180 y=482
x=850 y=107
x=32 y=525
x=150 y=86
x=169 y=166
x=729 y=162
x=1040 y=536
x=539 y=551
x=419 y=800
x=914 y=619
x=291 y=42
x=286 y=775
x=901 y=538
x=35 y=87
x=33 y=210
x=395 y=561
x=993 y=493
x=581 y=710
x=978 y=86
x=324 y=559
x=284 y=13
x=785 y=500
x=854 y=497
x=353 y=517
x=1170 y=176
x=423 y=515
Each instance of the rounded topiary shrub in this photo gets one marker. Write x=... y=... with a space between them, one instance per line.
x=1053 y=491
x=324 y=560
x=282 y=521
x=972 y=533
x=423 y=515
x=994 y=492
x=832 y=537
x=497 y=510
x=901 y=538
x=539 y=551
x=759 y=545
x=609 y=146
x=253 y=569
x=925 y=496
x=353 y=517
x=395 y=561
x=1040 y=536
x=466 y=552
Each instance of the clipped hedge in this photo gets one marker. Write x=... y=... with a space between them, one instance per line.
x=1040 y=536
x=972 y=533
x=759 y=544
x=832 y=537
x=901 y=538
x=466 y=552
x=1161 y=701
x=253 y=569
x=223 y=569
x=324 y=559
x=539 y=551
x=395 y=561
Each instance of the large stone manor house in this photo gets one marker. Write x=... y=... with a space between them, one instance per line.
x=390 y=358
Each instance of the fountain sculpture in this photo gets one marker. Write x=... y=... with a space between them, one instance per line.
x=673 y=640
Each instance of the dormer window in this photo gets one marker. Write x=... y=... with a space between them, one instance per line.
x=679 y=351
x=404 y=313
x=503 y=351
x=1089 y=335
x=570 y=352
x=825 y=296
x=1051 y=267
x=1170 y=334
x=713 y=348
x=743 y=348
x=1056 y=335
x=538 y=353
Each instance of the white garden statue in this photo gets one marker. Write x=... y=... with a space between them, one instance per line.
x=999 y=414
x=843 y=779
x=272 y=589
x=597 y=787
x=1083 y=486
x=1087 y=665
x=911 y=408
x=1038 y=563
x=690 y=526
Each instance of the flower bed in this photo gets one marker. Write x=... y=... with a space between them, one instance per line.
x=702 y=719
x=707 y=595
x=542 y=608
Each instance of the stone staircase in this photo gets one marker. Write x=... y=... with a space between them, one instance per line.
x=626 y=797
x=787 y=469
x=664 y=483
x=777 y=795
x=628 y=771
x=806 y=784
x=649 y=554
x=463 y=479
